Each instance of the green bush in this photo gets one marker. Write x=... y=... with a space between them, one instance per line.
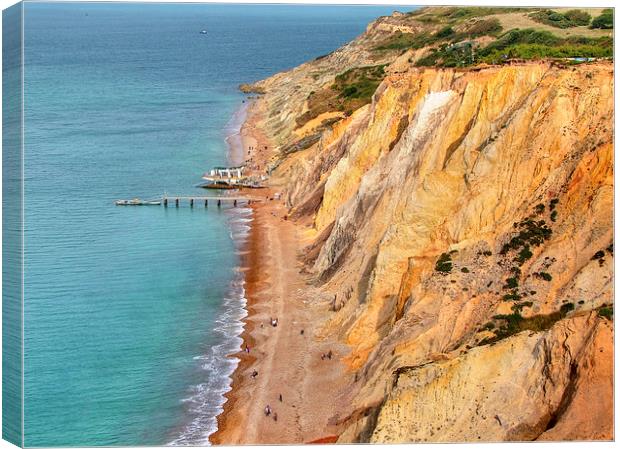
x=605 y=21
x=511 y=296
x=519 y=306
x=444 y=263
x=524 y=255
x=578 y=17
x=444 y=32
x=554 y=215
x=545 y=276
x=489 y=326
x=572 y=18
x=606 y=312
x=568 y=307
x=511 y=283
x=486 y=27
x=554 y=202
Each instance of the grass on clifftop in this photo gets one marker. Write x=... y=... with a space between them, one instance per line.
x=450 y=34
x=519 y=44
x=458 y=14
x=404 y=41
x=461 y=37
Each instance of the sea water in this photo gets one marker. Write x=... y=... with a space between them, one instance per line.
x=130 y=311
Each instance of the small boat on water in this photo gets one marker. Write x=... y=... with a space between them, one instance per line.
x=203 y=32
x=137 y=202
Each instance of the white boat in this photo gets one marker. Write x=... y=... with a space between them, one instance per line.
x=137 y=202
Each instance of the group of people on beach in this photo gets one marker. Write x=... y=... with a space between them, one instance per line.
x=268 y=410
x=327 y=355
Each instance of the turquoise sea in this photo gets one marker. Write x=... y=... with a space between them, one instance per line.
x=129 y=312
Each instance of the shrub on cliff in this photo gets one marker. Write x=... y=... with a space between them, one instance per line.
x=444 y=32
x=578 y=17
x=355 y=87
x=606 y=312
x=489 y=27
x=402 y=41
x=605 y=21
x=444 y=263
x=569 y=19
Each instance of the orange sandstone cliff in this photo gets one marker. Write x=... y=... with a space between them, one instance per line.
x=463 y=222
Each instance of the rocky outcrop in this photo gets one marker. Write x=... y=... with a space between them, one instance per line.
x=463 y=220
x=531 y=386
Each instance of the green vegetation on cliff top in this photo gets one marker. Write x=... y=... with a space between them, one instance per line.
x=462 y=37
x=605 y=21
x=518 y=44
x=569 y=19
x=351 y=90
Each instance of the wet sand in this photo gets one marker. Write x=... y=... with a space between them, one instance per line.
x=288 y=361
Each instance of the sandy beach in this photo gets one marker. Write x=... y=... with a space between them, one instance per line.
x=287 y=357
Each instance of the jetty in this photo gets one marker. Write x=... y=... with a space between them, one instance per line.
x=176 y=200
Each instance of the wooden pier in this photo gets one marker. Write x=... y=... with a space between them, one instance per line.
x=204 y=200
x=193 y=200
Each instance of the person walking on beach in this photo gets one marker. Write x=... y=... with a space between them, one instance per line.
x=275 y=417
x=280 y=397
x=267 y=410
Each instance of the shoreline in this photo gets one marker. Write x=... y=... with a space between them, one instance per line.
x=204 y=422
x=249 y=266
x=287 y=357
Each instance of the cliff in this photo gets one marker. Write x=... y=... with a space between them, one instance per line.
x=462 y=219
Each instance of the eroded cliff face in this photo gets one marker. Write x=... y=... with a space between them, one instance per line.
x=463 y=220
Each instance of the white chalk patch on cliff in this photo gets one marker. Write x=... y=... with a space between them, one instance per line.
x=427 y=119
x=432 y=102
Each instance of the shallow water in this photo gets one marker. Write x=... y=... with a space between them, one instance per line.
x=130 y=311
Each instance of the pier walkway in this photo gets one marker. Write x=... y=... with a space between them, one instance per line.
x=177 y=199
x=219 y=200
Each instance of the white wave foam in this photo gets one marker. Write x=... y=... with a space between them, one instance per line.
x=205 y=401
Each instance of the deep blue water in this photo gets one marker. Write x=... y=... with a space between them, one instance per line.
x=129 y=311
